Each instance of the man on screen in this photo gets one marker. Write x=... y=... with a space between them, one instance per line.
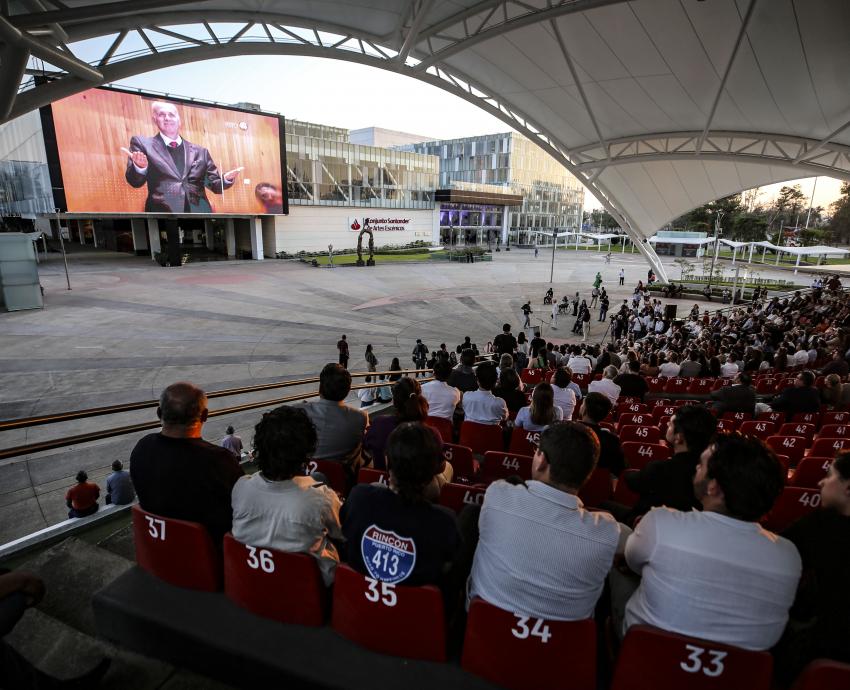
x=270 y=197
x=176 y=171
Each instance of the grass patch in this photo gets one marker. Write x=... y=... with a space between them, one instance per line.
x=348 y=259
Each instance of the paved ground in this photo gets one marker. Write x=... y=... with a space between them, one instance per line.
x=128 y=328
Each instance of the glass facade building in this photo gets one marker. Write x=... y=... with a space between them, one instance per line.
x=552 y=197
x=324 y=169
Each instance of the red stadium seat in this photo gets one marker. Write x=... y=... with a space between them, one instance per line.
x=677 y=385
x=661 y=660
x=721 y=383
x=835 y=417
x=810 y=471
x=597 y=489
x=792 y=446
x=458 y=496
x=807 y=431
x=369 y=475
x=622 y=493
x=737 y=416
x=461 y=460
x=443 y=426
x=643 y=434
x=824 y=674
x=582 y=380
x=639 y=419
x=519 y=652
x=523 y=441
x=767 y=386
x=179 y=552
x=775 y=417
x=532 y=376
x=727 y=426
x=656 y=384
x=829 y=447
x=807 y=418
x=663 y=411
x=658 y=402
x=608 y=425
x=638 y=455
x=834 y=430
x=285 y=587
x=793 y=503
x=757 y=428
x=634 y=407
x=378 y=616
x=498 y=465
x=481 y=437
x=333 y=470
x=784 y=383
x=700 y=386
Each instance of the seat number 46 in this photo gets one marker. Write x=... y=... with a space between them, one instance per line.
x=538 y=629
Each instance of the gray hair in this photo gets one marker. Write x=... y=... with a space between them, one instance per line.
x=610 y=372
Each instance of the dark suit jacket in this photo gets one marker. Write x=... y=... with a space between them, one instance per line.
x=735 y=398
x=168 y=190
x=793 y=400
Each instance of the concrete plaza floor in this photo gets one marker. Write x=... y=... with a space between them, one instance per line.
x=128 y=328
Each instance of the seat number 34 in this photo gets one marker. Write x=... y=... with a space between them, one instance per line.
x=521 y=631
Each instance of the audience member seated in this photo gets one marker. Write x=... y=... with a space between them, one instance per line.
x=367 y=396
x=632 y=385
x=481 y=405
x=594 y=408
x=505 y=343
x=442 y=398
x=670 y=482
x=119 y=486
x=402 y=511
x=578 y=363
x=715 y=574
x=565 y=392
x=463 y=375
x=179 y=475
x=82 y=497
x=606 y=384
x=837 y=365
x=832 y=392
x=541 y=412
x=801 y=397
x=691 y=367
x=508 y=389
x=279 y=507
x=540 y=553
x=820 y=619
x=670 y=367
x=339 y=427
x=739 y=397
x=730 y=368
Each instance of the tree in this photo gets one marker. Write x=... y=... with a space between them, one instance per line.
x=685 y=266
x=786 y=209
x=749 y=227
x=600 y=218
x=839 y=224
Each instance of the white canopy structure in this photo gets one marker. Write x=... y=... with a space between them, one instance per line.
x=657 y=106
x=698 y=241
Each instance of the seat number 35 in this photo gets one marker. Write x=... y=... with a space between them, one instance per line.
x=695 y=663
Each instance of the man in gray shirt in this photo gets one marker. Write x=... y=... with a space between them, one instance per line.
x=340 y=428
x=119 y=486
x=232 y=442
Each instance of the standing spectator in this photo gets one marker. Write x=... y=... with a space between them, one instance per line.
x=604 y=303
x=119 y=486
x=505 y=343
x=597 y=281
x=232 y=442
x=442 y=398
x=82 y=497
x=594 y=297
x=526 y=312
x=342 y=346
x=585 y=324
x=420 y=355
x=622 y=276
x=371 y=359
x=463 y=375
x=541 y=412
x=281 y=508
x=179 y=475
x=606 y=385
x=481 y=405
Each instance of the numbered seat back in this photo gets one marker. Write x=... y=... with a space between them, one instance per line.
x=622 y=493
x=523 y=441
x=793 y=503
x=659 y=411
x=443 y=426
x=639 y=455
x=721 y=383
x=388 y=618
x=758 y=428
x=726 y=426
x=500 y=465
x=807 y=418
x=677 y=385
x=179 y=552
x=458 y=496
x=737 y=416
x=701 y=387
x=631 y=407
x=582 y=380
x=369 y=475
x=635 y=419
x=521 y=652
x=810 y=471
x=824 y=674
x=792 y=446
x=807 y=431
x=333 y=470
x=481 y=437
x=461 y=460
x=597 y=489
x=829 y=447
x=834 y=430
x=766 y=386
x=532 y=376
x=285 y=587
x=835 y=418
x=651 y=658
x=656 y=384
x=643 y=434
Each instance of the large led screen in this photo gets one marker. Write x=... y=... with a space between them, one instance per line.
x=129 y=153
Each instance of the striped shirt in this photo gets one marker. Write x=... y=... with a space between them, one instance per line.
x=540 y=553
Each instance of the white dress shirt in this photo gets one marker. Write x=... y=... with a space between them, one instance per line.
x=579 y=365
x=728 y=369
x=442 y=398
x=669 y=369
x=801 y=357
x=540 y=553
x=484 y=407
x=607 y=387
x=565 y=399
x=523 y=419
x=711 y=576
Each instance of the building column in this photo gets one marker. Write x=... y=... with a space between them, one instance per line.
x=256 y=238
x=230 y=238
x=208 y=234
x=140 y=236
x=153 y=236
x=506 y=224
x=435 y=225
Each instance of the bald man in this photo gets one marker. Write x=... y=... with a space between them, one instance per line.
x=179 y=475
x=177 y=172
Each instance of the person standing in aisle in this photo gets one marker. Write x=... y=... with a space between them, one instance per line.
x=371 y=360
x=622 y=276
x=527 y=312
x=342 y=346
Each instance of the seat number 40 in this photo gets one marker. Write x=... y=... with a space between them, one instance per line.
x=538 y=629
x=712 y=668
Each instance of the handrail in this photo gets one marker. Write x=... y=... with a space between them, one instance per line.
x=144 y=426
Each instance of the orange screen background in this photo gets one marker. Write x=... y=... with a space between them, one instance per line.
x=91 y=127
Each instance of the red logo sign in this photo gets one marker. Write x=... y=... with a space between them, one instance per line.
x=355 y=225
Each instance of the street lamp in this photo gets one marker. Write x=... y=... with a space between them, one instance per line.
x=717 y=232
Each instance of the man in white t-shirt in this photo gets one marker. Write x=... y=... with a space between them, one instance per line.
x=801 y=357
x=670 y=368
x=578 y=363
x=606 y=385
x=482 y=406
x=716 y=574
x=442 y=398
x=729 y=368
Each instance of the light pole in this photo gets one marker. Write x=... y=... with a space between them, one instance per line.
x=62 y=245
x=554 y=244
x=717 y=233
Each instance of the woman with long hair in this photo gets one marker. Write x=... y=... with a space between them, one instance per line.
x=371 y=360
x=395 y=365
x=409 y=405
x=541 y=412
x=508 y=389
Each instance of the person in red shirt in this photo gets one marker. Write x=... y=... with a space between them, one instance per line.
x=82 y=497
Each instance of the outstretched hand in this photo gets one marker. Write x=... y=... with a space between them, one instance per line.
x=140 y=160
x=232 y=174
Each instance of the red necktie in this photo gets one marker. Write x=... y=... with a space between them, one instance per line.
x=172 y=144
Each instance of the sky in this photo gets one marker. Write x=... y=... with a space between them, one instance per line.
x=352 y=96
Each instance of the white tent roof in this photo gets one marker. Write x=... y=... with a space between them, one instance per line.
x=699 y=241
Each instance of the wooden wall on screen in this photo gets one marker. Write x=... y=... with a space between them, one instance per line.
x=91 y=128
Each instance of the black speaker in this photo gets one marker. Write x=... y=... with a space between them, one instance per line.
x=670 y=312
